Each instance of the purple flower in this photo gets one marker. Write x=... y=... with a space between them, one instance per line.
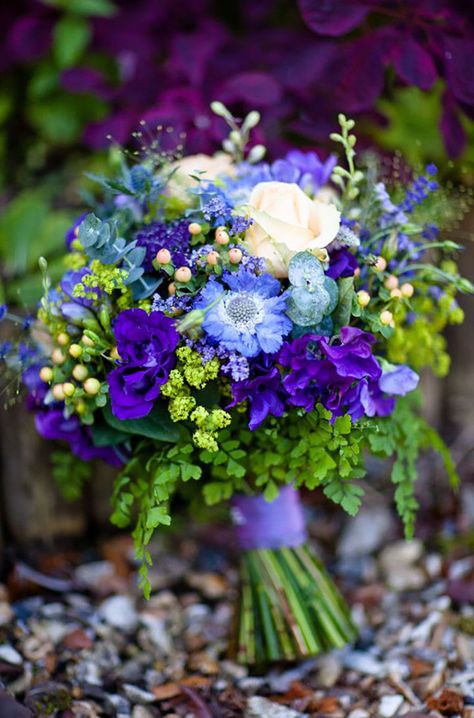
x=312 y=173
x=366 y=399
x=146 y=344
x=342 y=263
x=398 y=380
x=352 y=356
x=263 y=393
x=71 y=234
x=174 y=237
x=52 y=424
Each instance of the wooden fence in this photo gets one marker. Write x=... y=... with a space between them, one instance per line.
x=32 y=510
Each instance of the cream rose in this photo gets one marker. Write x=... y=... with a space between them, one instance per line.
x=286 y=221
x=205 y=166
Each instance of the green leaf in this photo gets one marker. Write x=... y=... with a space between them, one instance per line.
x=271 y=491
x=157 y=425
x=70 y=474
x=71 y=37
x=190 y=471
x=342 y=313
x=157 y=516
x=105 y=435
x=346 y=494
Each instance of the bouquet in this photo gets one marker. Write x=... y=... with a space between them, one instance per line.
x=234 y=330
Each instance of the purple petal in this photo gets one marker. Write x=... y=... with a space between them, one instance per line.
x=332 y=17
x=414 y=64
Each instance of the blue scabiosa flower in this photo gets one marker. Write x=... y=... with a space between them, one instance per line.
x=248 y=316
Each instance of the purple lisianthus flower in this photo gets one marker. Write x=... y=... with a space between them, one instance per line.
x=366 y=399
x=398 y=380
x=342 y=263
x=264 y=395
x=352 y=356
x=52 y=424
x=248 y=317
x=71 y=233
x=146 y=344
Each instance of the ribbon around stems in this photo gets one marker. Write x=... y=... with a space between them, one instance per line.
x=260 y=524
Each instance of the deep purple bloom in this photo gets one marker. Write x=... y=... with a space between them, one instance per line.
x=173 y=237
x=52 y=424
x=366 y=399
x=69 y=281
x=342 y=263
x=263 y=393
x=146 y=344
x=353 y=357
x=71 y=234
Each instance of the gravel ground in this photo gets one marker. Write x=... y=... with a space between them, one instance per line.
x=77 y=640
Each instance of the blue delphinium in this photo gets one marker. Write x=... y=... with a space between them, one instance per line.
x=247 y=315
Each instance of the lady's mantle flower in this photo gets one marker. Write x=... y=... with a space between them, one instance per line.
x=249 y=316
x=146 y=344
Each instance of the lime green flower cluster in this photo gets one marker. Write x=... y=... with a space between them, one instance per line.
x=103 y=277
x=191 y=374
x=75 y=260
x=421 y=342
x=208 y=425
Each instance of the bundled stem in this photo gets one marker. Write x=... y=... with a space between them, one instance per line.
x=289 y=607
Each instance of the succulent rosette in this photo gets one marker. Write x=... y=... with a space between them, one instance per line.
x=245 y=324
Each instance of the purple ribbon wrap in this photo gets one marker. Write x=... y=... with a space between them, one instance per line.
x=262 y=524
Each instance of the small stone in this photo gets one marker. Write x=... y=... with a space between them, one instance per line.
x=10 y=655
x=258 y=707
x=233 y=670
x=366 y=532
x=364 y=663
x=157 y=632
x=390 y=705
x=77 y=640
x=6 y=613
x=119 y=612
x=141 y=712
x=251 y=684
x=403 y=553
x=137 y=695
x=90 y=575
x=211 y=585
x=330 y=669
x=166 y=691
x=358 y=713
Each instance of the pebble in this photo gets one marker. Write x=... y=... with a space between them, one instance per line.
x=358 y=713
x=390 y=705
x=258 y=707
x=364 y=663
x=330 y=669
x=366 y=532
x=90 y=575
x=10 y=655
x=141 y=712
x=119 y=612
x=137 y=695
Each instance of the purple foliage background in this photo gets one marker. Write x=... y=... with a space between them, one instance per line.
x=299 y=63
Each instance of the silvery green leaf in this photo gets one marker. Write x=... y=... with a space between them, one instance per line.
x=89 y=230
x=305 y=307
x=325 y=328
x=304 y=270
